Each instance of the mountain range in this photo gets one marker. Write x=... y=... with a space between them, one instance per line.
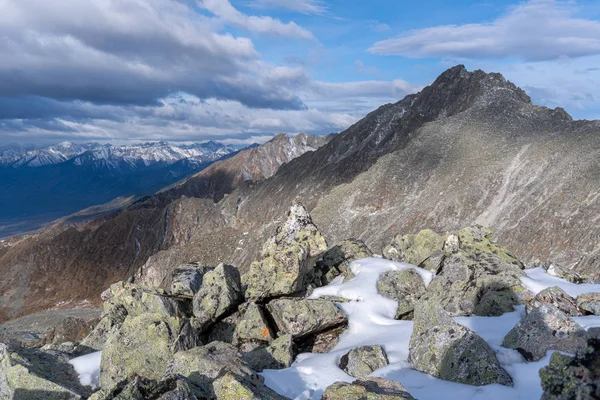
x=469 y=148
x=41 y=185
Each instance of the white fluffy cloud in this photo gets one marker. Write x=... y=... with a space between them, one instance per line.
x=301 y=6
x=533 y=31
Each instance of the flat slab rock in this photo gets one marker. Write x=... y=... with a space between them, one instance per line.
x=300 y=317
x=367 y=388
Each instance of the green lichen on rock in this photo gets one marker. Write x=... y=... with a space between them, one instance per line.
x=477 y=239
x=278 y=354
x=405 y=286
x=495 y=303
x=364 y=360
x=137 y=300
x=558 y=297
x=220 y=293
x=252 y=326
x=300 y=317
x=415 y=249
x=367 y=389
x=287 y=259
x=232 y=387
x=138 y=388
x=186 y=279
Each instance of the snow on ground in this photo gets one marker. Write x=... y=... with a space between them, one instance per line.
x=88 y=369
x=371 y=322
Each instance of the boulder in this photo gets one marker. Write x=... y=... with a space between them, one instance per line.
x=221 y=292
x=447 y=350
x=287 y=259
x=545 y=328
x=203 y=365
x=336 y=261
x=37 y=375
x=363 y=361
x=252 y=326
x=278 y=354
x=405 y=286
x=233 y=387
x=300 y=317
x=367 y=389
x=123 y=299
x=321 y=342
x=557 y=297
x=186 y=279
x=567 y=274
x=224 y=329
x=416 y=249
x=589 y=303
x=578 y=377
x=495 y=303
x=477 y=239
x=142 y=346
x=138 y=388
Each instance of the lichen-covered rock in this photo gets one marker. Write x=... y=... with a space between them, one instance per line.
x=233 y=387
x=300 y=317
x=142 y=346
x=37 y=375
x=363 y=361
x=416 y=249
x=221 y=292
x=276 y=355
x=447 y=350
x=123 y=299
x=477 y=239
x=202 y=365
x=567 y=378
x=589 y=303
x=367 y=389
x=557 y=297
x=465 y=278
x=567 y=274
x=138 y=388
x=252 y=326
x=96 y=339
x=287 y=259
x=321 y=342
x=405 y=286
x=545 y=328
x=186 y=279
x=336 y=260
x=224 y=329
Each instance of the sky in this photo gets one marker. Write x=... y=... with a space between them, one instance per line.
x=241 y=71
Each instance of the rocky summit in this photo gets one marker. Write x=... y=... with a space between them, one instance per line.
x=442 y=245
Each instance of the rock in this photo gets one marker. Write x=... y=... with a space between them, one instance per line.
x=224 y=330
x=72 y=329
x=221 y=292
x=367 y=389
x=567 y=274
x=186 y=279
x=287 y=259
x=300 y=317
x=252 y=326
x=138 y=388
x=37 y=375
x=495 y=303
x=277 y=355
x=545 y=328
x=578 y=377
x=451 y=244
x=416 y=249
x=589 y=303
x=232 y=387
x=337 y=259
x=123 y=299
x=142 y=346
x=203 y=365
x=405 y=286
x=363 y=361
x=447 y=350
x=477 y=239
x=321 y=342
x=557 y=297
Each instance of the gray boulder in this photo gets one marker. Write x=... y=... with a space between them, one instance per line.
x=405 y=286
x=557 y=297
x=336 y=261
x=233 y=387
x=442 y=348
x=565 y=273
x=321 y=342
x=287 y=259
x=123 y=299
x=589 y=303
x=203 y=365
x=367 y=389
x=139 y=388
x=220 y=293
x=252 y=326
x=37 y=375
x=300 y=317
x=278 y=354
x=545 y=328
x=363 y=361
x=423 y=249
x=186 y=279
x=578 y=377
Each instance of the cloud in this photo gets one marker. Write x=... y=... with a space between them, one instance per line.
x=361 y=67
x=264 y=25
x=302 y=6
x=378 y=26
x=533 y=31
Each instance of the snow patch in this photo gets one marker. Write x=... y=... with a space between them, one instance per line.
x=88 y=369
x=537 y=279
